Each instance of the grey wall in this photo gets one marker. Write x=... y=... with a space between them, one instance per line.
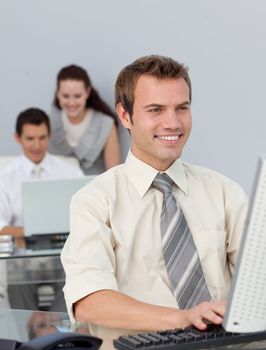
x=222 y=42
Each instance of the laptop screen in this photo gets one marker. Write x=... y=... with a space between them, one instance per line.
x=45 y=204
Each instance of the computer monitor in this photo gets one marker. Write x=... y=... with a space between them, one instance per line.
x=246 y=309
x=45 y=204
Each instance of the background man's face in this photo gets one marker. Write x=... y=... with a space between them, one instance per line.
x=161 y=121
x=34 y=141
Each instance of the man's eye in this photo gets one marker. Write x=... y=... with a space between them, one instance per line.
x=183 y=108
x=155 y=110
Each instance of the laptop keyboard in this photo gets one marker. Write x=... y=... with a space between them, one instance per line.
x=46 y=241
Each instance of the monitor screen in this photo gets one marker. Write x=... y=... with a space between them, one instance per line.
x=246 y=309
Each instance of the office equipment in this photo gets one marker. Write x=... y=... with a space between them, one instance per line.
x=246 y=309
x=183 y=339
x=6 y=244
x=45 y=242
x=58 y=340
x=45 y=204
x=67 y=341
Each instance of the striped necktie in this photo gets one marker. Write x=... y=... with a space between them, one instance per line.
x=180 y=254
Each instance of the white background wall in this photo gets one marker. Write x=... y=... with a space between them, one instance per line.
x=222 y=41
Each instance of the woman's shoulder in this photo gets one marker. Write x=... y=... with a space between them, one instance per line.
x=54 y=112
x=102 y=119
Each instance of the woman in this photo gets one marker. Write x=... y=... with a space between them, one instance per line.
x=82 y=124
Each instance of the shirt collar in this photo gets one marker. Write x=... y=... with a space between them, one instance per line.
x=142 y=174
x=29 y=165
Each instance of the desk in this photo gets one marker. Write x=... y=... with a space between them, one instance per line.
x=24 y=325
x=30 y=262
x=33 y=263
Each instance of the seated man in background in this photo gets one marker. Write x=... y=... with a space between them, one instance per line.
x=153 y=242
x=33 y=134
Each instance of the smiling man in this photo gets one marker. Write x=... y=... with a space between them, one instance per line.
x=33 y=135
x=154 y=241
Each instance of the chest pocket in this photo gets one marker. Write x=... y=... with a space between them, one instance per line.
x=211 y=245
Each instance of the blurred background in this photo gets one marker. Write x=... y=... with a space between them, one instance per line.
x=222 y=42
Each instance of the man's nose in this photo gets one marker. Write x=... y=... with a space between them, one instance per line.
x=171 y=120
x=37 y=144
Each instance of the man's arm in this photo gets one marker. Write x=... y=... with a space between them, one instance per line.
x=6 y=213
x=114 y=309
x=16 y=231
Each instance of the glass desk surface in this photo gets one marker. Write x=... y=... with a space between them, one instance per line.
x=26 y=247
x=23 y=325
x=33 y=260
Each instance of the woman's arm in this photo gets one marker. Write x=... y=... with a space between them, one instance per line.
x=111 y=152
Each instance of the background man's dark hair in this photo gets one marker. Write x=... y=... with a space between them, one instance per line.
x=156 y=66
x=33 y=116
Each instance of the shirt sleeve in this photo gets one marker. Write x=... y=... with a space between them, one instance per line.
x=5 y=207
x=88 y=256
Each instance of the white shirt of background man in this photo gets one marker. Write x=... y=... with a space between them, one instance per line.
x=23 y=169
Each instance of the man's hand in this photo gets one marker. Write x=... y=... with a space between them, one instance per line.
x=15 y=231
x=204 y=313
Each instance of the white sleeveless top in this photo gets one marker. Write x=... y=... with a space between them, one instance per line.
x=74 y=132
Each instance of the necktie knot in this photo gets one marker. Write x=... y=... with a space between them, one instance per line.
x=163 y=183
x=37 y=171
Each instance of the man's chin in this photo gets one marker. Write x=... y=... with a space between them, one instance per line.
x=36 y=159
x=170 y=156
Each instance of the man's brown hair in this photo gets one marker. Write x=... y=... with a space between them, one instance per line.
x=160 y=67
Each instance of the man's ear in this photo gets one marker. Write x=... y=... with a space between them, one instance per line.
x=17 y=138
x=123 y=116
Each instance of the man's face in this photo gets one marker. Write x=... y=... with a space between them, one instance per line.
x=161 y=120
x=34 y=141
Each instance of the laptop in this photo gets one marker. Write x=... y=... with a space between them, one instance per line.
x=45 y=205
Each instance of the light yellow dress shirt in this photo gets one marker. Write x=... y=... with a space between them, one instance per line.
x=115 y=240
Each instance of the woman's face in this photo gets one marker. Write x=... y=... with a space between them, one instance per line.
x=72 y=96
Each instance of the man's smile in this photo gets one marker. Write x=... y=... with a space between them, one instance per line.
x=169 y=139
